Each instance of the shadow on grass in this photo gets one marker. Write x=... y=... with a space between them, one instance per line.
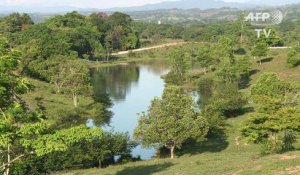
x=245 y=81
x=215 y=143
x=265 y=60
x=145 y=170
x=236 y=113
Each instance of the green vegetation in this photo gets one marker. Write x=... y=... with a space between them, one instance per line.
x=260 y=50
x=247 y=111
x=42 y=123
x=25 y=132
x=294 y=57
x=241 y=156
x=277 y=118
x=169 y=122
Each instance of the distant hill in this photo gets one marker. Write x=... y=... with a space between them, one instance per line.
x=179 y=4
x=35 y=9
x=210 y=11
x=188 y=16
x=273 y=2
x=184 y=4
x=182 y=16
x=206 y=4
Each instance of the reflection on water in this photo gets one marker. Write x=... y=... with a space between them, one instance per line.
x=131 y=88
x=115 y=81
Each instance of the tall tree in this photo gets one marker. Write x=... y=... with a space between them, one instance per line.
x=179 y=65
x=171 y=121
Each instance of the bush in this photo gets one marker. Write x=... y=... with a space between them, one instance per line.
x=293 y=62
x=294 y=57
x=274 y=145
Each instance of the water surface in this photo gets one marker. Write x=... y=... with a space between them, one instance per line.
x=131 y=87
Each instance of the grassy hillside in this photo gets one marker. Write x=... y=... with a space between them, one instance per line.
x=229 y=155
x=219 y=156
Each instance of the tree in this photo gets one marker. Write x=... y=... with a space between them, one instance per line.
x=294 y=56
x=15 y=22
x=131 y=41
x=225 y=101
x=179 y=66
x=110 y=145
x=54 y=70
x=260 y=50
x=171 y=121
x=276 y=117
x=24 y=132
x=234 y=70
x=116 y=37
x=272 y=40
x=10 y=84
x=86 y=154
x=77 y=81
x=119 y=19
x=205 y=58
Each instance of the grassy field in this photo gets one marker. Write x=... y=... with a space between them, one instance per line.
x=277 y=63
x=219 y=156
x=228 y=155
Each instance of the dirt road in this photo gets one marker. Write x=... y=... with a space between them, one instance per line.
x=168 y=45
x=150 y=48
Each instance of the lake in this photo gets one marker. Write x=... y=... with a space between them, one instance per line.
x=131 y=88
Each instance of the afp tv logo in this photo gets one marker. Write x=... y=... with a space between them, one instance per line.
x=274 y=17
x=263 y=19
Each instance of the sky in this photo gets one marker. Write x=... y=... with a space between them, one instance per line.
x=85 y=3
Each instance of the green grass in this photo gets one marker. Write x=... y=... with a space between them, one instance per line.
x=278 y=64
x=216 y=157
x=220 y=156
x=218 y=164
x=56 y=104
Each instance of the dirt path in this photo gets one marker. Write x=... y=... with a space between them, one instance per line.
x=150 y=48
x=280 y=47
x=168 y=45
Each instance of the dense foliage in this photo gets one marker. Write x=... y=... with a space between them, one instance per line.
x=294 y=56
x=277 y=116
x=24 y=132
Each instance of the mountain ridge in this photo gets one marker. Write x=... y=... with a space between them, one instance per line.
x=180 y=4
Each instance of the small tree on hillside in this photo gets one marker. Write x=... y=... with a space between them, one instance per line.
x=205 y=58
x=260 y=50
x=294 y=56
x=171 y=121
x=77 y=81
